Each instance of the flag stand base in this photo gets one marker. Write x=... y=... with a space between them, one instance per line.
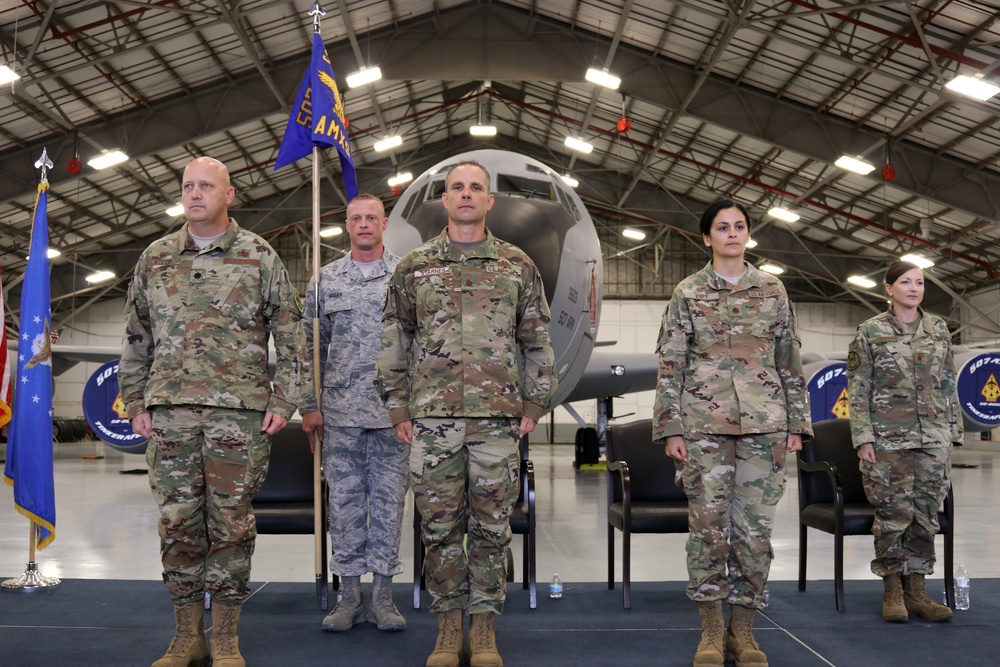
x=30 y=580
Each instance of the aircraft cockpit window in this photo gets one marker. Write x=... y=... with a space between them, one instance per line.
x=437 y=189
x=567 y=202
x=413 y=201
x=519 y=186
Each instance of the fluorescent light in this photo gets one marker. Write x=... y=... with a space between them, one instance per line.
x=7 y=75
x=569 y=180
x=175 y=210
x=578 y=145
x=973 y=86
x=603 y=78
x=106 y=159
x=364 y=76
x=751 y=244
x=388 y=142
x=922 y=262
x=782 y=213
x=861 y=281
x=633 y=234
x=51 y=253
x=331 y=231
x=772 y=268
x=483 y=130
x=399 y=179
x=857 y=165
x=99 y=277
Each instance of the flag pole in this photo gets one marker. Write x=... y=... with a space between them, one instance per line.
x=322 y=591
x=31 y=579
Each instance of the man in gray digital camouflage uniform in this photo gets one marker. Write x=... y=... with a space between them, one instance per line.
x=364 y=462
x=460 y=308
x=194 y=379
x=731 y=401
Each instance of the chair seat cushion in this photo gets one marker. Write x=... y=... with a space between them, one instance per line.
x=663 y=517
x=858 y=518
x=519 y=519
x=284 y=518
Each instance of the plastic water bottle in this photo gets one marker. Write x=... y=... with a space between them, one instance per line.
x=961 y=588
x=555 y=587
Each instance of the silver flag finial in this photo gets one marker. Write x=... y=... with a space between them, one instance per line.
x=317 y=12
x=44 y=163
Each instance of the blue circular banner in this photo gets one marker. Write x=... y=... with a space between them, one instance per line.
x=979 y=390
x=105 y=412
x=827 y=386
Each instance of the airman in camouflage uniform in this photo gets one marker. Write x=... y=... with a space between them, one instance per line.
x=364 y=462
x=194 y=379
x=902 y=389
x=461 y=309
x=730 y=402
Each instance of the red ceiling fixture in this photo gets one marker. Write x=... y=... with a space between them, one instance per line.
x=888 y=173
x=624 y=125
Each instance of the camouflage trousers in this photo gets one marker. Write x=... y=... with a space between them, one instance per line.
x=205 y=466
x=907 y=488
x=366 y=473
x=733 y=484
x=465 y=479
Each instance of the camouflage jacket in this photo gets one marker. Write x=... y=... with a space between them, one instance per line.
x=453 y=329
x=350 y=337
x=729 y=359
x=903 y=396
x=197 y=324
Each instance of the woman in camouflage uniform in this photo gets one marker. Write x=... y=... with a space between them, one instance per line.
x=730 y=403
x=901 y=383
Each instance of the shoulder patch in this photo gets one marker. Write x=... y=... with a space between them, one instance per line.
x=853 y=360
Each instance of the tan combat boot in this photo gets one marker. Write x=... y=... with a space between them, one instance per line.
x=448 y=648
x=381 y=610
x=740 y=644
x=712 y=647
x=188 y=648
x=349 y=610
x=225 y=643
x=893 y=609
x=916 y=600
x=483 y=641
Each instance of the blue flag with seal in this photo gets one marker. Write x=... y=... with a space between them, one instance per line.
x=317 y=118
x=29 y=440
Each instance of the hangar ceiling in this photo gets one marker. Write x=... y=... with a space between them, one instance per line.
x=752 y=100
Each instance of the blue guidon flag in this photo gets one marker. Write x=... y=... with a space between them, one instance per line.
x=29 y=466
x=317 y=119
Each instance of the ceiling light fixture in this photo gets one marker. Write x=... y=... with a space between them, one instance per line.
x=175 y=210
x=855 y=164
x=99 y=277
x=388 y=142
x=603 y=78
x=772 y=268
x=782 y=213
x=51 y=253
x=861 y=281
x=106 y=159
x=751 y=243
x=7 y=75
x=364 y=76
x=578 y=145
x=973 y=86
x=922 y=262
x=399 y=179
x=483 y=130
x=634 y=234
x=331 y=231
x=569 y=180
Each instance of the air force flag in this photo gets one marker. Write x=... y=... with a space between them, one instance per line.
x=317 y=118
x=29 y=444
